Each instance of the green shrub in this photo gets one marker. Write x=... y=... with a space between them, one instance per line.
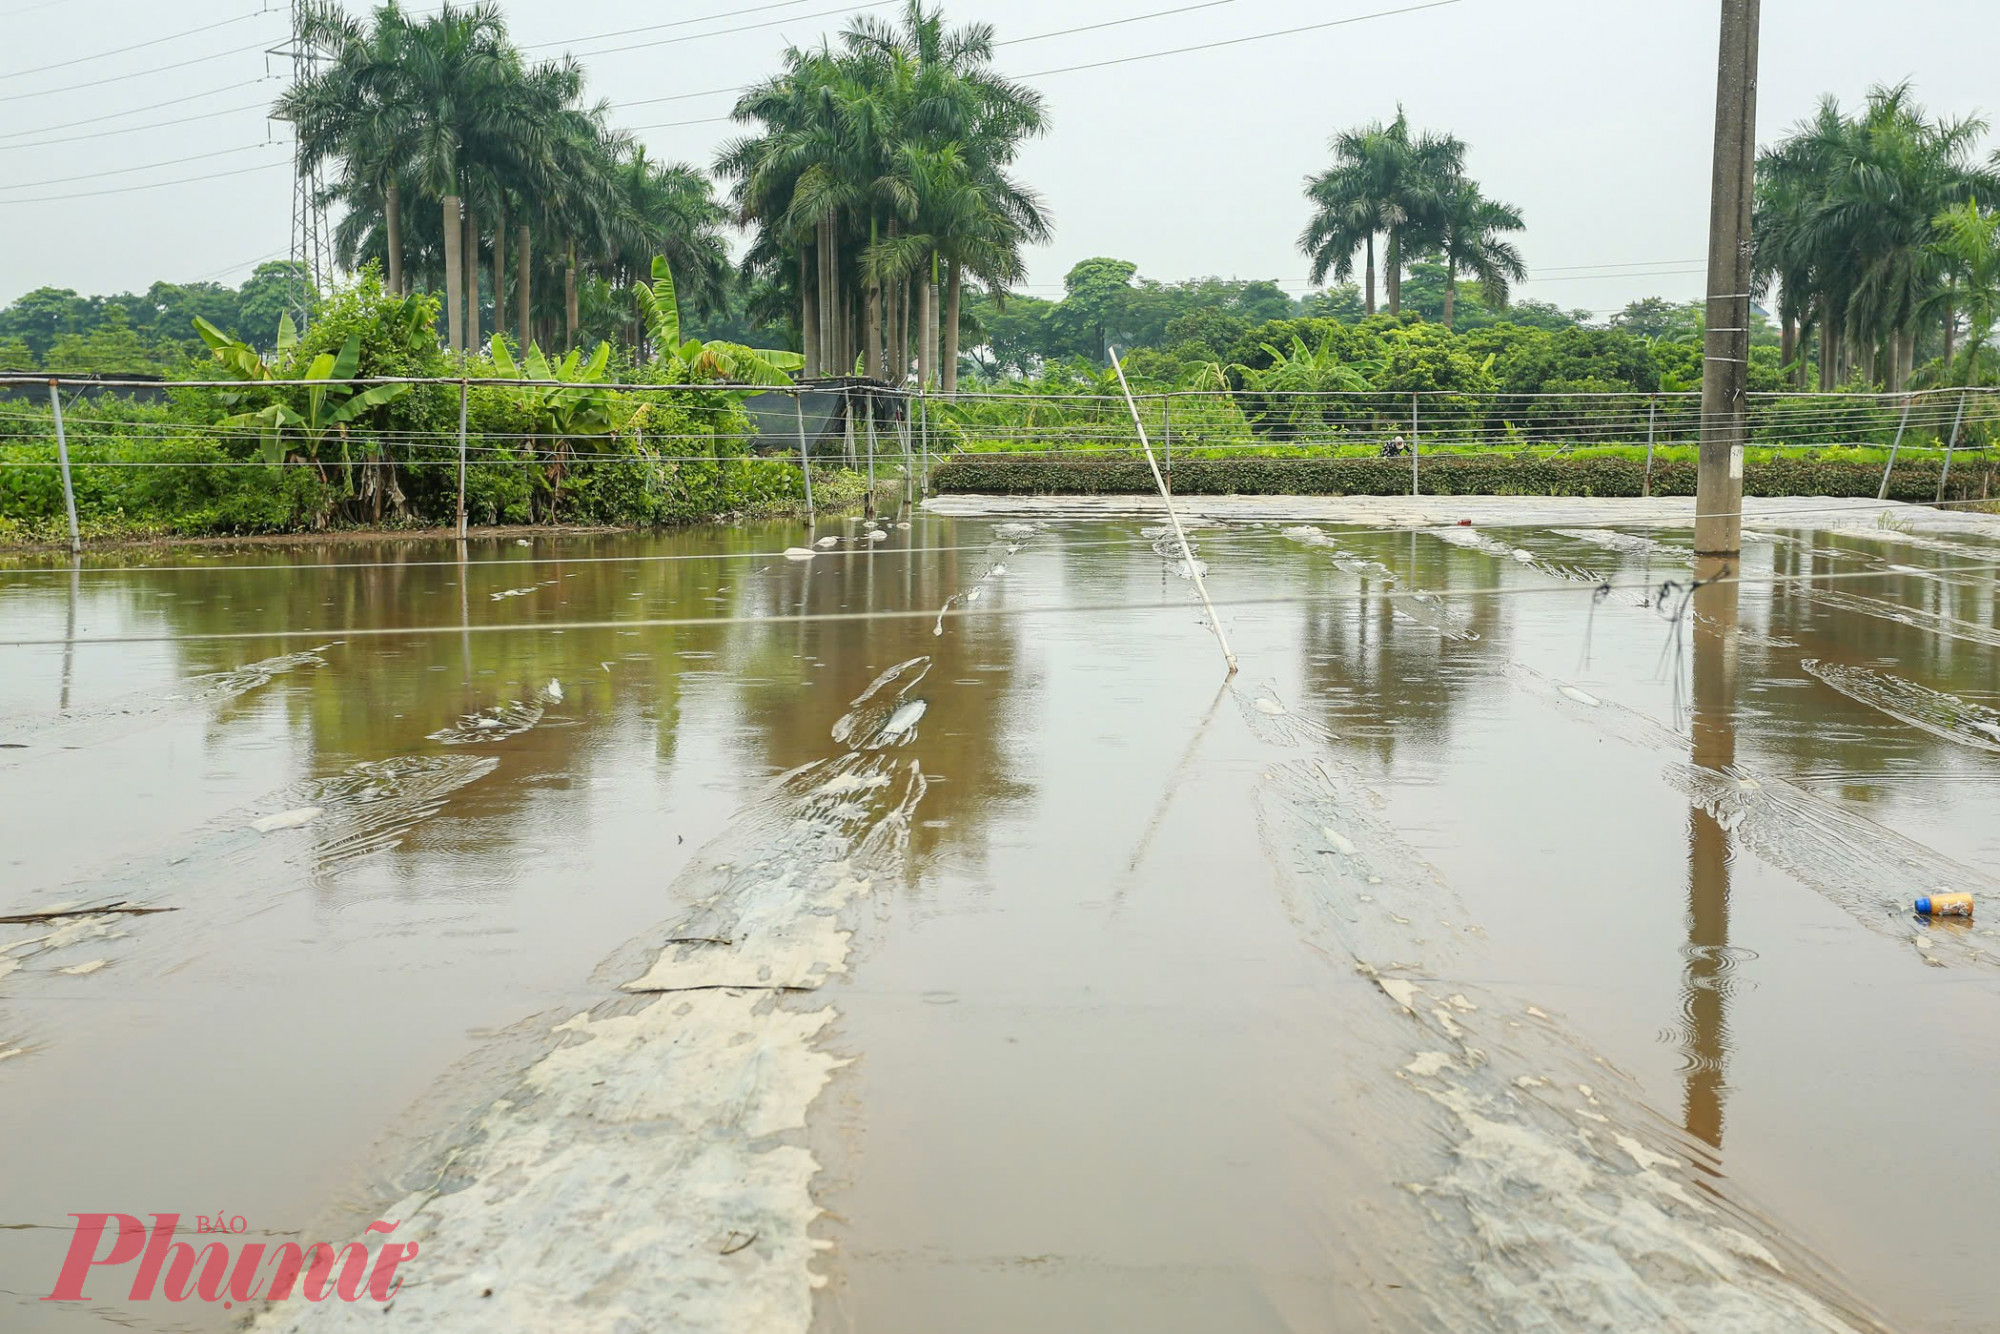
x=1466 y=475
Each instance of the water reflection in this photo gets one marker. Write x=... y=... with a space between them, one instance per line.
x=1705 y=981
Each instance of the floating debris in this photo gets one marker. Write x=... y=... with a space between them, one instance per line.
x=1421 y=608
x=521 y=592
x=501 y=721
x=1950 y=627
x=119 y=717
x=880 y=716
x=296 y=819
x=1628 y=544
x=1921 y=707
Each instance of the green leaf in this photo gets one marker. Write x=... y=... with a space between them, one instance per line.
x=349 y=361
x=288 y=333
x=504 y=360
x=665 y=316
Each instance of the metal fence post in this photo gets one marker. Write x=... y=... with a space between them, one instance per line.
x=847 y=422
x=1895 y=445
x=463 y=393
x=871 y=455
x=909 y=461
x=1950 y=445
x=62 y=457
x=1652 y=424
x=805 y=455
x=924 y=439
x=1413 y=446
x=1167 y=434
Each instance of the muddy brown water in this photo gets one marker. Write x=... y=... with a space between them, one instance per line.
x=1124 y=1040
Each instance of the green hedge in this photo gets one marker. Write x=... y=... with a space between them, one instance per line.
x=1971 y=479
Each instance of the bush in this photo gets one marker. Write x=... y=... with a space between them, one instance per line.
x=1460 y=475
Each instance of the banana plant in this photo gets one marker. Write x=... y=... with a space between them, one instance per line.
x=696 y=362
x=239 y=358
x=331 y=402
x=570 y=398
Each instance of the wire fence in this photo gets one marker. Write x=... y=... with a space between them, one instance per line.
x=493 y=447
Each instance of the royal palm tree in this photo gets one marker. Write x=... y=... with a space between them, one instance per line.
x=880 y=173
x=1469 y=243
x=1382 y=182
x=1847 y=223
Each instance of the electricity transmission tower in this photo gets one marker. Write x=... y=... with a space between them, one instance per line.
x=311 y=252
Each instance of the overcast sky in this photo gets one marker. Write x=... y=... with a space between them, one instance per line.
x=1592 y=116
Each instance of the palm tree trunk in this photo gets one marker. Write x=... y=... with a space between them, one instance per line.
x=500 y=272
x=954 y=286
x=808 y=316
x=392 y=213
x=1950 y=321
x=1829 y=347
x=926 y=362
x=876 y=369
x=454 y=301
x=1395 y=271
x=827 y=351
x=572 y=316
x=1790 y=350
x=1450 y=297
x=469 y=266
x=1371 y=272
x=522 y=269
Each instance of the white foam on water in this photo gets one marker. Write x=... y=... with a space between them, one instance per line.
x=649 y=1170
x=1933 y=711
x=1554 y=1193
x=293 y=819
x=92 y=723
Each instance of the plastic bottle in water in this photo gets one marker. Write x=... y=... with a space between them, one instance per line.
x=1945 y=905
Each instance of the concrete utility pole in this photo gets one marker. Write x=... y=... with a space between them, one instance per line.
x=1718 y=523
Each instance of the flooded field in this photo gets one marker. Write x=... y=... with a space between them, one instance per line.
x=677 y=931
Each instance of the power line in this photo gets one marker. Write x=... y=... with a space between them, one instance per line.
x=122 y=171
x=136 y=46
x=1239 y=41
x=149 y=125
x=1115 y=23
x=132 y=111
x=1101 y=64
x=725 y=32
x=155 y=185
x=658 y=27
x=953 y=613
x=156 y=69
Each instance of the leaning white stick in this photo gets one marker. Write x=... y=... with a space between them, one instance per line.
x=1187 y=552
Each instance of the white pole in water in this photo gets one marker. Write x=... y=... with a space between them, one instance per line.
x=1187 y=552
x=62 y=457
x=1413 y=444
x=1652 y=423
x=805 y=457
x=463 y=389
x=909 y=460
x=871 y=453
x=1897 y=444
